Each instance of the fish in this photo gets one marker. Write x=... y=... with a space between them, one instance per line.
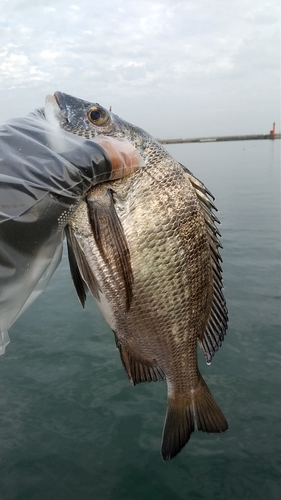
x=147 y=247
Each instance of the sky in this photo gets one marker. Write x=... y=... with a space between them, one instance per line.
x=177 y=68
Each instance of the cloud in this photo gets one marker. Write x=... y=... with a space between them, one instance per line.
x=192 y=53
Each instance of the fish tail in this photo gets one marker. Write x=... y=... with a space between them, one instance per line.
x=198 y=409
x=178 y=427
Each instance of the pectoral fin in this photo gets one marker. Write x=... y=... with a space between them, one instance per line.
x=111 y=240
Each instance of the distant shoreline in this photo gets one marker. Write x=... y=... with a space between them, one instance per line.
x=222 y=138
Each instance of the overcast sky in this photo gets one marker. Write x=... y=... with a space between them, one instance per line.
x=178 y=68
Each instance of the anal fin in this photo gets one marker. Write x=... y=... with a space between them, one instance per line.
x=139 y=370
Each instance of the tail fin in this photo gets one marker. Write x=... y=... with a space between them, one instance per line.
x=197 y=408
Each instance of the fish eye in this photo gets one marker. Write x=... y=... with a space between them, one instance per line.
x=97 y=116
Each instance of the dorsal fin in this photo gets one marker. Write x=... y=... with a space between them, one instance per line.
x=111 y=240
x=217 y=322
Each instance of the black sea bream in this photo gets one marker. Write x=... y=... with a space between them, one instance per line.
x=146 y=246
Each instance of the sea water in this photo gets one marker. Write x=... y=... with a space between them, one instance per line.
x=71 y=425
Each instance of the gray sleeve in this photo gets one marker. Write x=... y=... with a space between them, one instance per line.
x=43 y=175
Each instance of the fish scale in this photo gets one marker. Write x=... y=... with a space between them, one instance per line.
x=146 y=246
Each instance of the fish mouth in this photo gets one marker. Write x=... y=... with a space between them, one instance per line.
x=55 y=114
x=56 y=96
x=59 y=99
x=61 y=110
x=53 y=109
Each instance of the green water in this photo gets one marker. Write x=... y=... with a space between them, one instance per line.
x=72 y=427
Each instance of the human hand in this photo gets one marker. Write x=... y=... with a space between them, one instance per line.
x=124 y=157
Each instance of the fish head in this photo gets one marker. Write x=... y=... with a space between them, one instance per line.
x=90 y=119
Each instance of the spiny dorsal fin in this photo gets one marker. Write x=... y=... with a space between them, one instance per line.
x=217 y=322
x=111 y=240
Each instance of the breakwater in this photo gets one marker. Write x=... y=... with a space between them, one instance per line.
x=253 y=137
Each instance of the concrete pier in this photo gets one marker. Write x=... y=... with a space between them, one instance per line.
x=253 y=137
